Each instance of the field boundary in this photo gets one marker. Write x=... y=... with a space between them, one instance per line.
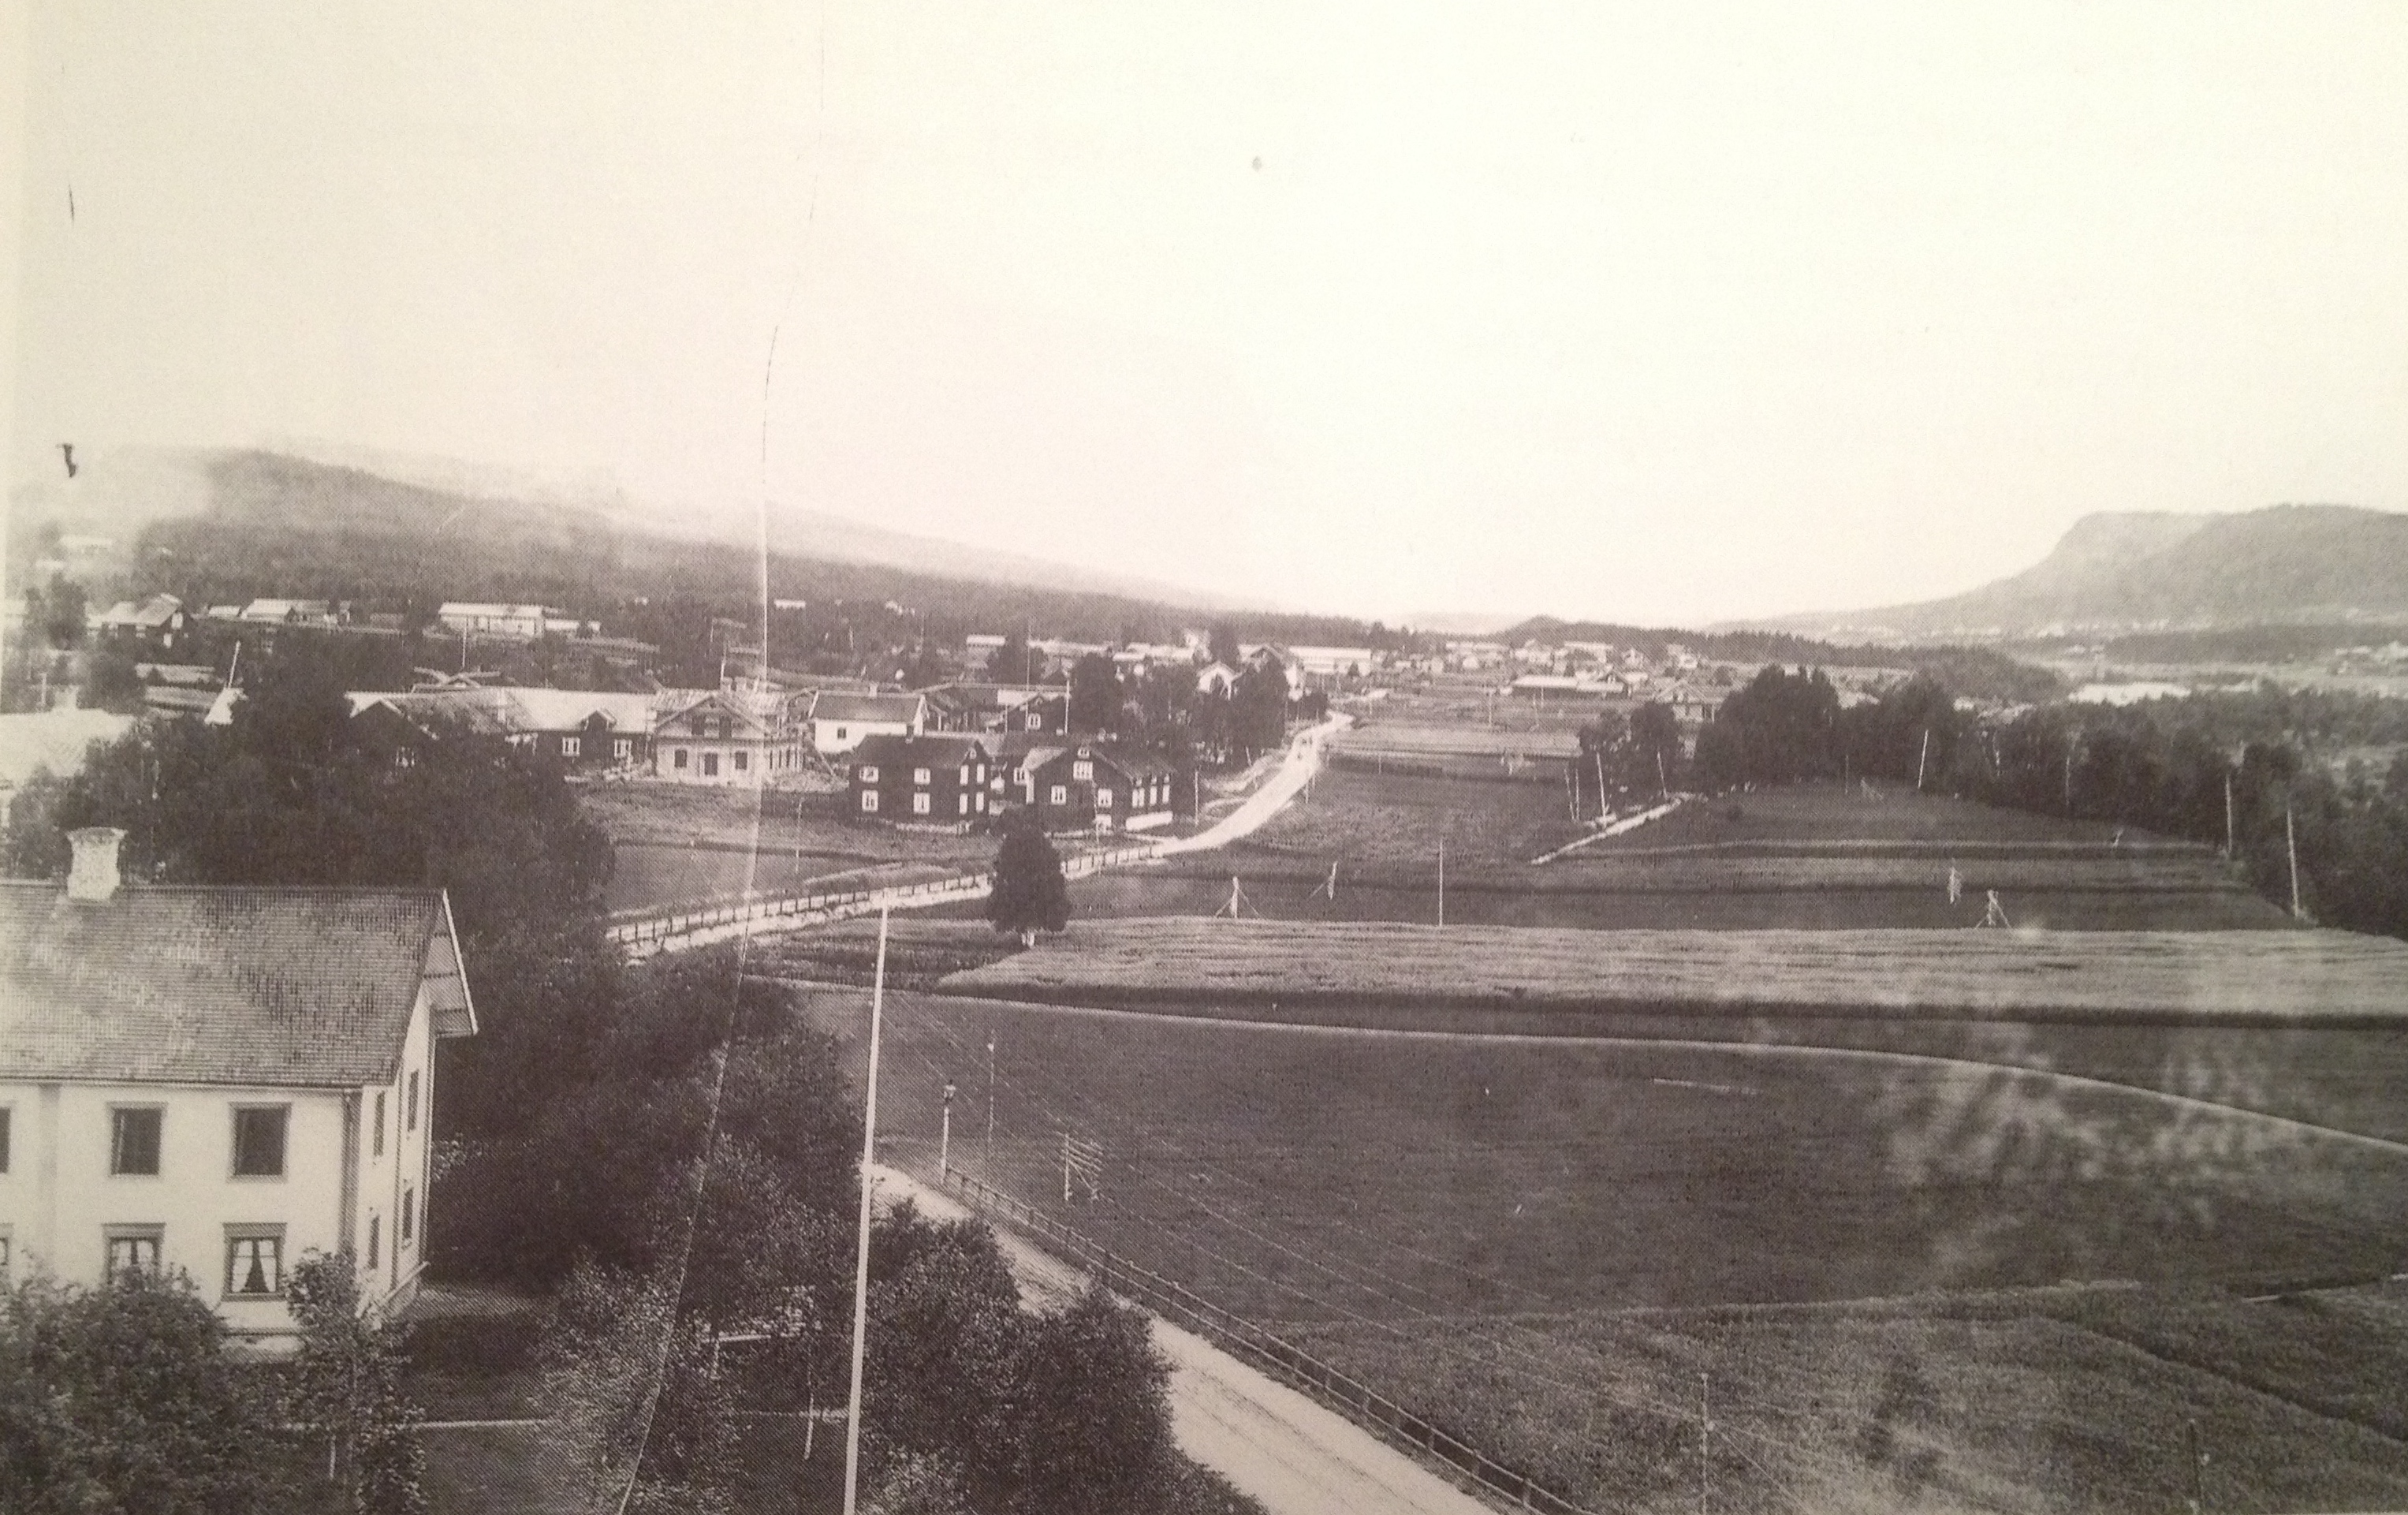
x=1254 y=1343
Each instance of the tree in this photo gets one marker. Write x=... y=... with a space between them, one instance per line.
x=1090 y=1428
x=628 y=1396
x=347 y=1391
x=1096 y=695
x=1030 y=894
x=1655 y=746
x=123 y=1398
x=62 y=613
x=1013 y=662
x=1223 y=645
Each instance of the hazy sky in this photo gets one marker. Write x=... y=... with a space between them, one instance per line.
x=1654 y=313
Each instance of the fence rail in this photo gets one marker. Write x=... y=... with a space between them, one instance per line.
x=668 y=929
x=1252 y=1342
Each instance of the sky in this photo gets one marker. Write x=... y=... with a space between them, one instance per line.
x=1654 y=314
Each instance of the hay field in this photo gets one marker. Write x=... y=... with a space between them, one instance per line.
x=1541 y=1244
x=2274 y=977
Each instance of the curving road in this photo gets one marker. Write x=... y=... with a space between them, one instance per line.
x=1303 y=760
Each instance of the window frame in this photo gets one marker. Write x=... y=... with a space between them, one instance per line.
x=1061 y=794
x=7 y=1132
x=920 y=804
x=869 y=774
x=133 y=1236
x=678 y=758
x=869 y=801
x=407 y=1232
x=571 y=746
x=117 y=1113
x=237 y=1235
x=920 y=776
x=376 y=1240
x=710 y=765
x=410 y=1102
x=376 y=1138
x=283 y=1140
x=743 y=759
x=1083 y=770
x=1103 y=798
x=623 y=746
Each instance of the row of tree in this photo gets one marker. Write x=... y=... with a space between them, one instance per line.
x=2247 y=770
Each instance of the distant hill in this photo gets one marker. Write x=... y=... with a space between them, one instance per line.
x=402 y=496
x=2126 y=571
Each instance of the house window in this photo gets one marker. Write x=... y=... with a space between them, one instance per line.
x=133 y=1250
x=840 y=734
x=919 y=775
x=408 y=1212
x=677 y=758
x=376 y=1239
x=965 y=801
x=965 y=776
x=869 y=774
x=254 y=1262
x=409 y=1104
x=1082 y=771
x=743 y=759
x=919 y=804
x=259 y=1141
x=869 y=801
x=1103 y=799
x=1034 y=722
x=710 y=765
x=568 y=747
x=1061 y=794
x=4 y=1138
x=3 y=1254
x=623 y=748
x=376 y=1137
x=134 y=1139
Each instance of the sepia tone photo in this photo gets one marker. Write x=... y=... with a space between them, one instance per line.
x=1179 y=760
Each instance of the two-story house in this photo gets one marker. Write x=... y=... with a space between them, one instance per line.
x=1089 y=786
x=842 y=721
x=935 y=779
x=215 y=1081
x=737 y=735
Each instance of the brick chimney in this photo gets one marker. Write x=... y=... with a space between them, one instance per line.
x=93 y=875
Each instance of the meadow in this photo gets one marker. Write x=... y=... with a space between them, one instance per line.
x=2280 y=977
x=1541 y=1244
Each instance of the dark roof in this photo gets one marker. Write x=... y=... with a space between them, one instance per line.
x=940 y=749
x=309 y=987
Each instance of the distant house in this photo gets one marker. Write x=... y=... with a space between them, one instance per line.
x=937 y=779
x=166 y=1109
x=582 y=729
x=735 y=736
x=156 y=624
x=842 y=721
x=288 y=613
x=976 y=706
x=524 y=621
x=179 y=688
x=1092 y=787
x=1544 y=687
x=1215 y=678
x=1042 y=715
x=1693 y=705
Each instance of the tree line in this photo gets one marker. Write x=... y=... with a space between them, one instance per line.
x=2253 y=770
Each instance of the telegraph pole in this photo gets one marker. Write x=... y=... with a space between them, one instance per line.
x=2198 y=1472
x=1441 y=881
x=1922 y=759
x=990 y=1099
x=1705 y=1431
x=2291 y=845
x=2228 y=814
x=861 y=1262
x=945 y=1137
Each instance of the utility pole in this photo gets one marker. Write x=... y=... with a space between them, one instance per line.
x=1441 y=881
x=861 y=1260
x=2228 y=814
x=2198 y=1471
x=990 y=1099
x=1599 y=754
x=1663 y=784
x=1922 y=759
x=1705 y=1430
x=2291 y=845
x=945 y=1137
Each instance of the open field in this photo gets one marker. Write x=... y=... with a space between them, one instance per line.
x=1471 y=1224
x=1385 y=738
x=1838 y=813
x=646 y=877
x=2235 y=977
x=1391 y=822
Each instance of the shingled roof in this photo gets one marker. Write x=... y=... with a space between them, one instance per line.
x=309 y=987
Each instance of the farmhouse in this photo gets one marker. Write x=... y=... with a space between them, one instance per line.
x=739 y=735
x=975 y=706
x=216 y=1081
x=937 y=779
x=842 y=721
x=156 y=623
x=1089 y=785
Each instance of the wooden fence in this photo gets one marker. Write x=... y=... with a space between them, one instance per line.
x=667 y=929
x=1250 y=1342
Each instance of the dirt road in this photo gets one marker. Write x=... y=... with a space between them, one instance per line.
x=1273 y=1443
x=1294 y=772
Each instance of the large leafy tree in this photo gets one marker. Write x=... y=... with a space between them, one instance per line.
x=1096 y=695
x=1030 y=894
x=122 y=1398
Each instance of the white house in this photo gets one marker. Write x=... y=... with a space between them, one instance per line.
x=216 y=1081
x=841 y=722
x=528 y=621
x=739 y=736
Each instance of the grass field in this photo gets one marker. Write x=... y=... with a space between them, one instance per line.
x=1471 y=1226
x=2274 y=977
x=1837 y=813
x=645 y=877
